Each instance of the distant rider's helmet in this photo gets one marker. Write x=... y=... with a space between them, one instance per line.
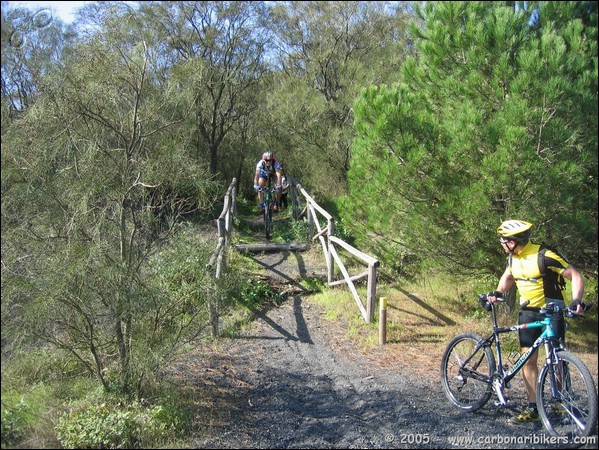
x=268 y=156
x=515 y=230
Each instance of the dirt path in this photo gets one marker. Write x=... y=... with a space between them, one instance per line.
x=294 y=381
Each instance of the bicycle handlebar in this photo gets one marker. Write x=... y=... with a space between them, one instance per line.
x=548 y=309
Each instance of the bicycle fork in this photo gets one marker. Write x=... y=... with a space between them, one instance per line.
x=559 y=379
x=549 y=360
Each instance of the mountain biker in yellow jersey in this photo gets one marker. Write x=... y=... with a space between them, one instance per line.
x=536 y=286
x=267 y=167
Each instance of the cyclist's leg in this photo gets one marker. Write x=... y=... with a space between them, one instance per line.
x=278 y=180
x=530 y=372
x=261 y=184
x=527 y=338
x=530 y=369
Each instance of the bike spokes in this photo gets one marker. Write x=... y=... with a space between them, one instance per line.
x=466 y=371
x=568 y=403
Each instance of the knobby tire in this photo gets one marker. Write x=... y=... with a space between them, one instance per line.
x=467 y=390
x=267 y=221
x=574 y=411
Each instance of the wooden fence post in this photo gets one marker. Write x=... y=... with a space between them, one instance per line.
x=329 y=255
x=383 y=321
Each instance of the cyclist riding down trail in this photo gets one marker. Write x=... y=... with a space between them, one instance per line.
x=267 y=167
x=538 y=273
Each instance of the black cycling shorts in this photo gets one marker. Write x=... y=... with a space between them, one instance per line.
x=529 y=336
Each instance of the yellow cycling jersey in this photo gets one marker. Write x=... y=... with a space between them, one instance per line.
x=532 y=285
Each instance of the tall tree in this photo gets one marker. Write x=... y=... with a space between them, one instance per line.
x=93 y=175
x=327 y=52
x=496 y=119
x=227 y=39
x=32 y=43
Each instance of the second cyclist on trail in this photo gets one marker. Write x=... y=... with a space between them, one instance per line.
x=267 y=167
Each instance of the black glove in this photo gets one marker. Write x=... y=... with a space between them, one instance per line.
x=496 y=294
x=482 y=298
x=573 y=306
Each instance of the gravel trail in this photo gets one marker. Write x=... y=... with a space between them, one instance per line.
x=293 y=381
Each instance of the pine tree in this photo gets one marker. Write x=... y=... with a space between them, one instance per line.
x=495 y=119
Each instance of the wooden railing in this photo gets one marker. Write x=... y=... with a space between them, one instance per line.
x=328 y=241
x=325 y=236
x=224 y=225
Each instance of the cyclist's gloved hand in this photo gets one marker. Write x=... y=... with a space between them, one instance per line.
x=496 y=295
x=577 y=306
x=482 y=298
x=256 y=187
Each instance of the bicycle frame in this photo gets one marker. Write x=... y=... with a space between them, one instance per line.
x=471 y=371
x=268 y=194
x=547 y=338
x=268 y=191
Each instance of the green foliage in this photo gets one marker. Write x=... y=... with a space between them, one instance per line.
x=15 y=422
x=257 y=293
x=289 y=230
x=330 y=50
x=116 y=424
x=496 y=119
x=314 y=284
x=90 y=203
x=28 y=407
x=28 y=366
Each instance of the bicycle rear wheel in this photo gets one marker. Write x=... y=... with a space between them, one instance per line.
x=573 y=411
x=466 y=372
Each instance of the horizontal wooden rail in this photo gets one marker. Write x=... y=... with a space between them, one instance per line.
x=328 y=242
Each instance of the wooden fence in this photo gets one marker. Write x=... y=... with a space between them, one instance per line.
x=325 y=235
x=224 y=225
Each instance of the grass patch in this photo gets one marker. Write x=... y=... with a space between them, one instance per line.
x=434 y=310
x=341 y=307
x=76 y=412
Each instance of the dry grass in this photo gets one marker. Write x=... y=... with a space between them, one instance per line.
x=419 y=328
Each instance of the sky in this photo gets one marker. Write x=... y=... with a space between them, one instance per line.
x=62 y=9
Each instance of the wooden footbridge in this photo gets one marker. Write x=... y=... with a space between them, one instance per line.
x=321 y=229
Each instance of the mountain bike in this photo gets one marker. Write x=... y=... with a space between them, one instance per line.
x=566 y=396
x=268 y=203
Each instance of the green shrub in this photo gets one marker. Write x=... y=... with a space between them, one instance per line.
x=256 y=293
x=107 y=425
x=15 y=422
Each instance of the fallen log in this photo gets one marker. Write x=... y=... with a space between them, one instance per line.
x=259 y=248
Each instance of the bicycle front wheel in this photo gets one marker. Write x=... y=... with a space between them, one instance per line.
x=466 y=372
x=572 y=410
x=267 y=221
